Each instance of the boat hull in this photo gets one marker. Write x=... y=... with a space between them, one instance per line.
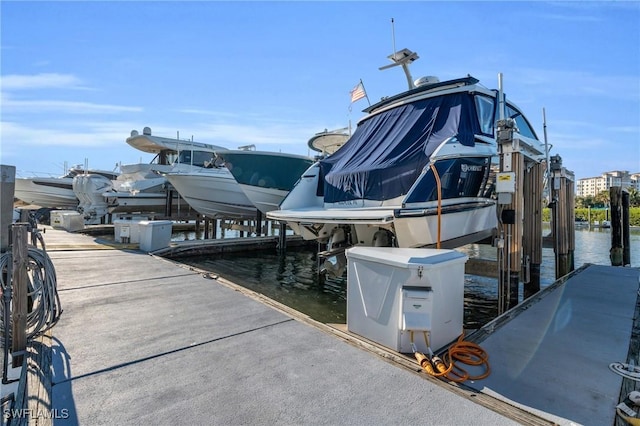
x=463 y=222
x=264 y=199
x=460 y=224
x=46 y=192
x=213 y=193
x=155 y=202
x=265 y=177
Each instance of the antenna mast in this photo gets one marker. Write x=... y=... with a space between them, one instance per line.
x=403 y=58
x=393 y=35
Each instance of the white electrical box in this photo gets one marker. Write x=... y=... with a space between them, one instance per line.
x=72 y=221
x=127 y=231
x=394 y=292
x=57 y=218
x=417 y=305
x=155 y=234
x=506 y=182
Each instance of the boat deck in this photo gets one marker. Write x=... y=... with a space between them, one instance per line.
x=361 y=215
x=143 y=340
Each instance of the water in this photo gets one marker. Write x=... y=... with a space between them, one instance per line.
x=292 y=278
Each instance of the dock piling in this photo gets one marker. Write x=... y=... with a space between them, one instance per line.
x=562 y=217
x=519 y=188
x=258 y=223
x=19 y=279
x=282 y=237
x=7 y=191
x=532 y=233
x=620 y=253
x=626 y=242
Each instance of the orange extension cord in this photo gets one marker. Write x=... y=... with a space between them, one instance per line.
x=461 y=352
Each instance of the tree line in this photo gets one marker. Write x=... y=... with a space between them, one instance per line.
x=601 y=200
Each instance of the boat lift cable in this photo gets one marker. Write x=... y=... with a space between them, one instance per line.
x=461 y=352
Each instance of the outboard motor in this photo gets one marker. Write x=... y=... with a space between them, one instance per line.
x=339 y=241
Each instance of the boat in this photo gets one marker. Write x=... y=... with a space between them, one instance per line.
x=55 y=192
x=267 y=177
x=142 y=187
x=213 y=192
x=328 y=141
x=419 y=171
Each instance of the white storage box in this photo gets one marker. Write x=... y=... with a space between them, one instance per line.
x=127 y=231
x=155 y=234
x=56 y=218
x=72 y=221
x=392 y=291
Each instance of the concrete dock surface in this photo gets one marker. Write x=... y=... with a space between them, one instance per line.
x=143 y=340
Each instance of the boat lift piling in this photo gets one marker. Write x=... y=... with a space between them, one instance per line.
x=510 y=217
x=519 y=186
x=532 y=232
x=562 y=216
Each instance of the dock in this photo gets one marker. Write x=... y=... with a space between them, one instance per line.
x=145 y=340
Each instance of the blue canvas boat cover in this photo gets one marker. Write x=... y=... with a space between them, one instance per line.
x=388 y=151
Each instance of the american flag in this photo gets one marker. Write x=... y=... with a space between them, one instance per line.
x=358 y=92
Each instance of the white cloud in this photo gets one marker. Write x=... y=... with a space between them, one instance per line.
x=572 y=17
x=41 y=81
x=74 y=107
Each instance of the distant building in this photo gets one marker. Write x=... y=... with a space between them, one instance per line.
x=635 y=181
x=593 y=185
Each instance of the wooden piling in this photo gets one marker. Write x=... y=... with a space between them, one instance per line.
x=19 y=288
x=168 y=203
x=571 y=218
x=207 y=224
x=282 y=237
x=615 y=200
x=626 y=242
x=511 y=206
x=258 y=223
x=512 y=226
x=519 y=186
x=7 y=191
x=562 y=217
x=532 y=232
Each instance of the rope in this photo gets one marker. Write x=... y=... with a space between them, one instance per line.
x=626 y=370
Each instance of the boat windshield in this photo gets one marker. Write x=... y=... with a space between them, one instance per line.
x=488 y=117
x=524 y=128
x=196 y=158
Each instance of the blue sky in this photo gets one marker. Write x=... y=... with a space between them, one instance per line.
x=77 y=77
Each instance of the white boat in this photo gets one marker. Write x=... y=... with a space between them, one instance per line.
x=328 y=141
x=265 y=177
x=54 y=192
x=142 y=188
x=418 y=171
x=213 y=192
